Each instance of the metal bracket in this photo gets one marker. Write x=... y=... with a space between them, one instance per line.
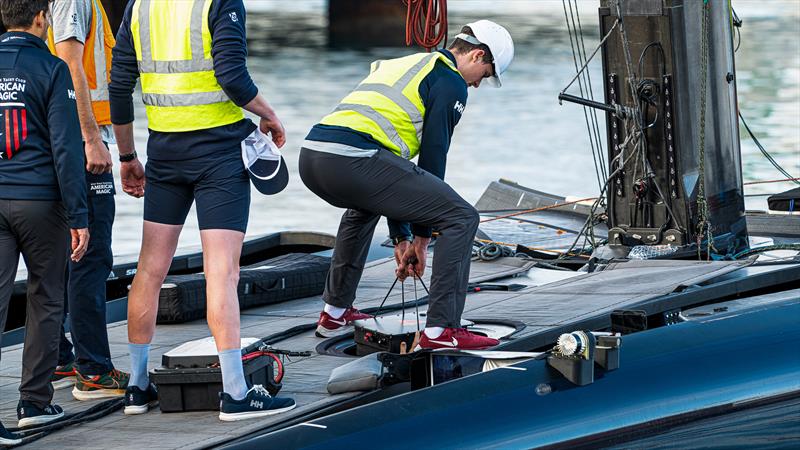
x=669 y=136
x=616 y=132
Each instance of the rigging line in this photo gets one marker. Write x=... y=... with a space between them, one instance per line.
x=703 y=222
x=596 y=204
x=594 y=112
x=588 y=82
x=585 y=79
x=541 y=208
x=632 y=77
x=633 y=82
x=580 y=86
x=584 y=88
x=765 y=153
x=771 y=181
x=664 y=200
x=599 y=46
x=387 y=295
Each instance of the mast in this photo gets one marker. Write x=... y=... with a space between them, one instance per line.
x=673 y=156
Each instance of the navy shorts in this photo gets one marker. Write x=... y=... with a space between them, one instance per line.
x=217 y=181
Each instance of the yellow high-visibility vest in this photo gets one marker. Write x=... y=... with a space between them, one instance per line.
x=96 y=61
x=172 y=40
x=387 y=105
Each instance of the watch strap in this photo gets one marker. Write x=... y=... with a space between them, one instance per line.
x=127 y=158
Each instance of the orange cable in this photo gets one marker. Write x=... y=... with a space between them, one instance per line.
x=543 y=208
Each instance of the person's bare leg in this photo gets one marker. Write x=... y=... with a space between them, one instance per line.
x=221 y=251
x=159 y=242
x=158 y=247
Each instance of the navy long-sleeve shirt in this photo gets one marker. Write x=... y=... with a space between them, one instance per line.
x=444 y=94
x=41 y=151
x=226 y=20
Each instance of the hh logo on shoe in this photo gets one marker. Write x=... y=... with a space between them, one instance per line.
x=257 y=404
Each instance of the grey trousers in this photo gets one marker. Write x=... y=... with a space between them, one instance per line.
x=387 y=185
x=38 y=230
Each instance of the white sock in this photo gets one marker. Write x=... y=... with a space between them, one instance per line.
x=139 y=354
x=433 y=332
x=334 y=311
x=233 y=383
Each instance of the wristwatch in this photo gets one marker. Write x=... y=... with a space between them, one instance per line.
x=398 y=239
x=128 y=158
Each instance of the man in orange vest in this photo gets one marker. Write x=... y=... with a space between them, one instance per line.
x=82 y=37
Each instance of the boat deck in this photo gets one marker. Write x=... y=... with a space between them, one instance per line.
x=305 y=379
x=552 y=302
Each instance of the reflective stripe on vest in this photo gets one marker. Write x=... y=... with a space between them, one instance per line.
x=96 y=61
x=387 y=105
x=173 y=48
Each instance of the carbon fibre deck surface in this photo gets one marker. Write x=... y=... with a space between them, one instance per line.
x=305 y=379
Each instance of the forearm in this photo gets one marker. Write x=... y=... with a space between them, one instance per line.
x=124 y=136
x=71 y=51
x=260 y=107
x=89 y=129
x=422 y=241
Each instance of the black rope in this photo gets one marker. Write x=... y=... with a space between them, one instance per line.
x=403 y=299
x=387 y=294
x=576 y=51
x=765 y=152
x=95 y=412
x=595 y=122
x=416 y=307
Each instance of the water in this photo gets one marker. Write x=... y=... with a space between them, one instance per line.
x=518 y=132
x=772 y=426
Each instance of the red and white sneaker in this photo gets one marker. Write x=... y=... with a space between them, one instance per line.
x=327 y=326
x=456 y=338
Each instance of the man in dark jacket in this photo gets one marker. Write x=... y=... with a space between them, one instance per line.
x=42 y=194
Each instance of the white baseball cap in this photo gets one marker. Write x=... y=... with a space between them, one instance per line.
x=499 y=42
x=264 y=163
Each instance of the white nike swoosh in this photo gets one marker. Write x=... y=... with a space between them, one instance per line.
x=338 y=322
x=454 y=343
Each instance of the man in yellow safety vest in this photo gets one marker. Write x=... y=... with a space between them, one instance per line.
x=358 y=157
x=191 y=58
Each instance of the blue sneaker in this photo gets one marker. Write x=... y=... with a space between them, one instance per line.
x=8 y=438
x=30 y=415
x=139 y=401
x=256 y=403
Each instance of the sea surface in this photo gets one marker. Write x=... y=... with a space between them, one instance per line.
x=518 y=132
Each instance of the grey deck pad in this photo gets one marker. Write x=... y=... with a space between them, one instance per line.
x=573 y=300
x=305 y=380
